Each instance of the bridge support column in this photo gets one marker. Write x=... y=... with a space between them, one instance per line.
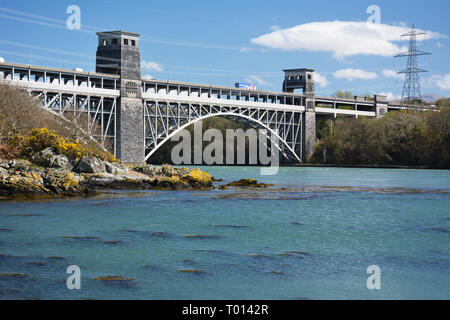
x=118 y=53
x=381 y=105
x=130 y=131
x=309 y=133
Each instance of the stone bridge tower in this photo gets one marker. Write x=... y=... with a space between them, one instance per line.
x=304 y=79
x=118 y=53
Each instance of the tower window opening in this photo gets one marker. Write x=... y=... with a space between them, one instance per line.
x=133 y=43
x=125 y=42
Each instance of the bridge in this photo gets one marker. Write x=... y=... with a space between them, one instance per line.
x=137 y=115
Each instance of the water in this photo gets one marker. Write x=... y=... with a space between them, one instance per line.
x=340 y=220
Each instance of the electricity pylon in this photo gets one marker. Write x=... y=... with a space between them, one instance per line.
x=411 y=88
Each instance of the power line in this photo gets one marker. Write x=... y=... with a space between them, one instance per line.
x=71 y=53
x=60 y=24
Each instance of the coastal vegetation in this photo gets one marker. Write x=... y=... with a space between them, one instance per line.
x=26 y=128
x=43 y=154
x=404 y=138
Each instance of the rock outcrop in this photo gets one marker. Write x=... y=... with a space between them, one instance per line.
x=53 y=175
x=48 y=158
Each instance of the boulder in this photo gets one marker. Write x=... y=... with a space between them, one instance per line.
x=24 y=183
x=3 y=172
x=62 y=182
x=115 y=168
x=198 y=179
x=130 y=181
x=90 y=165
x=4 y=164
x=48 y=158
x=170 y=183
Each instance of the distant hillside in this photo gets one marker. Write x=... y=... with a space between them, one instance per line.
x=431 y=98
x=427 y=98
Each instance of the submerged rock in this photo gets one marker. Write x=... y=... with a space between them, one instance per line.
x=36 y=263
x=259 y=256
x=112 y=241
x=80 y=237
x=192 y=271
x=200 y=237
x=113 y=278
x=13 y=275
x=230 y=226
x=441 y=230
x=275 y=272
x=151 y=234
x=251 y=183
x=56 y=258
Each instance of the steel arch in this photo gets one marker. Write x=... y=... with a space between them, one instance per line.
x=157 y=139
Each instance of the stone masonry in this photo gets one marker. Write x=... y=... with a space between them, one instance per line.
x=118 y=53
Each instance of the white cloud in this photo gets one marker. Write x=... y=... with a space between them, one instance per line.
x=439 y=45
x=442 y=81
x=321 y=80
x=351 y=74
x=151 y=66
x=390 y=96
x=392 y=74
x=257 y=79
x=148 y=76
x=343 y=38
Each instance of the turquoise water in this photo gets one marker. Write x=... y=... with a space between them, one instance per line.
x=339 y=221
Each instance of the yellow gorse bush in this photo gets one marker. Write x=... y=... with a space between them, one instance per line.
x=40 y=139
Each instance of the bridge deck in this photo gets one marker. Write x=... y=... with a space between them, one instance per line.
x=36 y=78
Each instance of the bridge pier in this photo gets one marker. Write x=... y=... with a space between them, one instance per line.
x=130 y=131
x=309 y=133
x=303 y=79
x=381 y=105
x=118 y=53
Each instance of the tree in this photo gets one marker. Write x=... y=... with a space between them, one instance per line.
x=343 y=94
x=20 y=113
x=443 y=103
x=399 y=138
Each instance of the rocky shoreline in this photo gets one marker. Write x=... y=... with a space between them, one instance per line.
x=49 y=174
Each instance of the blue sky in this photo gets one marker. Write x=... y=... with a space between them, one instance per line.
x=225 y=42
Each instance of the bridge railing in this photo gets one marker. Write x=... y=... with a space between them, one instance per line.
x=57 y=77
x=182 y=89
